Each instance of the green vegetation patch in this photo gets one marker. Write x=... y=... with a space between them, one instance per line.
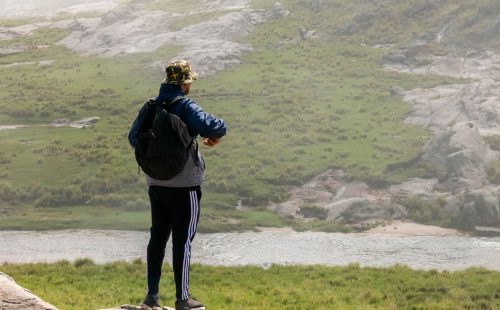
x=173 y=6
x=85 y=285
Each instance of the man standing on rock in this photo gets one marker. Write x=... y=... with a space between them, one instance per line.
x=175 y=202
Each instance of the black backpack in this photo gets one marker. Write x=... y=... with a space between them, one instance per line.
x=163 y=141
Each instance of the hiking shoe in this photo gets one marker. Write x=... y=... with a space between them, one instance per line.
x=150 y=303
x=189 y=304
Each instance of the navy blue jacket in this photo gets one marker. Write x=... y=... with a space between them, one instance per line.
x=197 y=121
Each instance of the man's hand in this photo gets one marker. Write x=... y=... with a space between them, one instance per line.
x=211 y=141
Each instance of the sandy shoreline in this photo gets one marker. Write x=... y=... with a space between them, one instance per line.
x=396 y=228
x=414 y=229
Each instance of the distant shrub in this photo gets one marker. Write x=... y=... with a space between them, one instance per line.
x=82 y=262
x=312 y=211
x=20 y=111
x=100 y=185
x=376 y=181
x=424 y=210
x=7 y=193
x=493 y=171
x=4 y=159
x=63 y=196
x=494 y=142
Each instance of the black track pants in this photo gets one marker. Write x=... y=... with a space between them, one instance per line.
x=176 y=211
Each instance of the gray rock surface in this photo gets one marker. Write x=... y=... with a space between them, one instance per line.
x=420 y=7
x=342 y=201
x=460 y=116
x=482 y=207
x=66 y=122
x=210 y=45
x=8 y=33
x=48 y=8
x=458 y=152
x=15 y=297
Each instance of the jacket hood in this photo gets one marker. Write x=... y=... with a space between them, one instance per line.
x=168 y=92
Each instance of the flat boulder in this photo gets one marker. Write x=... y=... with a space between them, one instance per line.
x=363 y=210
x=15 y=297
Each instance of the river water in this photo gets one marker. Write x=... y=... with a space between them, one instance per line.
x=260 y=248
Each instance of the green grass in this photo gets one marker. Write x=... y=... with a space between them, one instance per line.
x=83 y=217
x=173 y=6
x=85 y=285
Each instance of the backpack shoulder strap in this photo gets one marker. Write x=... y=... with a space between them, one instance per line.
x=167 y=104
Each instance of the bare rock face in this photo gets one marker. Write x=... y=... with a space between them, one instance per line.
x=458 y=153
x=84 y=122
x=318 y=192
x=363 y=210
x=459 y=115
x=15 y=297
x=481 y=207
x=421 y=7
x=210 y=45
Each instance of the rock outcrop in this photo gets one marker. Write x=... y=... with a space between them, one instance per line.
x=84 y=122
x=15 y=297
x=210 y=45
x=482 y=207
x=459 y=156
x=330 y=196
x=459 y=116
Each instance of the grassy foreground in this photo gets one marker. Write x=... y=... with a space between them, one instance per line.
x=85 y=285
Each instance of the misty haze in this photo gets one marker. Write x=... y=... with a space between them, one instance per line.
x=361 y=135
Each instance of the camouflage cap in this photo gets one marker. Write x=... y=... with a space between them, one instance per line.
x=179 y=72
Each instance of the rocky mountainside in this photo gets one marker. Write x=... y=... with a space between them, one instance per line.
x=461 y=24
x=460 y=116
x=211 y=44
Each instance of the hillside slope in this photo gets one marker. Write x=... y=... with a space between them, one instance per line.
x=302 y=86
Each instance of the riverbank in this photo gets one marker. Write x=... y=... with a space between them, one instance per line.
x=399 y=228
x=85 y=285
x=402 y=228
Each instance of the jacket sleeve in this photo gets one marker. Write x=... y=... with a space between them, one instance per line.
x=132 y=139
x=202 y=123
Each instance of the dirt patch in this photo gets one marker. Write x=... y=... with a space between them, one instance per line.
x=9 y=127
x=84 y=122
x=284 y=230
